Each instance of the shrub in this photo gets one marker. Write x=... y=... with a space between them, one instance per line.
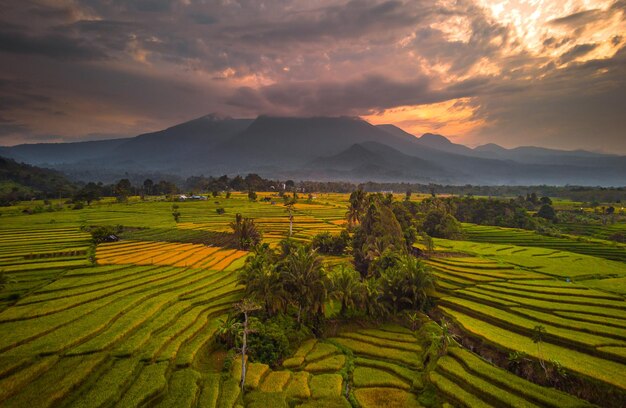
x=275 y=338
x=220 y=210
x=329 y=244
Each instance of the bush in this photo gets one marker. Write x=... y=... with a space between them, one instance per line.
x=105 y=233
x=274 y=339
x=220 y=210
x=439 y=224
x=329 y=244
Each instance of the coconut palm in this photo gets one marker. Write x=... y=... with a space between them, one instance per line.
x=245 y=231
x=263 y=281
x=347 y=288
x=306 y=281
x=356 y=207
x=419 y=281
x=372 y=302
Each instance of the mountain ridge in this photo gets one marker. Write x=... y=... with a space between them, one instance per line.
x=314 y=146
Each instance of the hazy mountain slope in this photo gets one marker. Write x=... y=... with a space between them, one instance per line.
x=374 y=161
x=55 y=153
x=341 y=148
x=189 y=141
x=23 y=181
x=291 y=141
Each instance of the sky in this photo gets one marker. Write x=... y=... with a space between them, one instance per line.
x=513 y=72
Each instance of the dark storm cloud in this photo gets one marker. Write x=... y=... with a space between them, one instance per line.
x=563 y=104
x=372 y=92
x=576 y=52
x=49 y=45
x=124 y=67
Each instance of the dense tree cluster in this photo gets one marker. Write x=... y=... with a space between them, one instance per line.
x=20 y=181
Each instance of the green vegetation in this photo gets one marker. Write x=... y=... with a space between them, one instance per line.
x=140 y=326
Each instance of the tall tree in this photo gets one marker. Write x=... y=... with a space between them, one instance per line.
x=347 y=288
x=148 y=186
x=306 y=280
x=246 y=233
x=263 y=281
x=356 y=207
x=246 y=306
x=290 y=209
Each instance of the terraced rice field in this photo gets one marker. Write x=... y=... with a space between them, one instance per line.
x=137 y=328
x=30 y=257
x=372 y=366
x=587 y=246
x=165 y=253
x=501 y=296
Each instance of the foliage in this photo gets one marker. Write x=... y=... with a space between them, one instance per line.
x=379 y=232
x=105 y=233
x=21 y=181
x=440 y=224
x=547 y=212
x=406 y=285
x=263 y=280
x=443 y=339
x=326 y=243
x=246 y=232
x=268 y=342
x=306 y=281
x=347 y=288
x=356 y=207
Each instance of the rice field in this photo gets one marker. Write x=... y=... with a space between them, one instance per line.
x=503 y=292
x=133 y=323
x=582 y=245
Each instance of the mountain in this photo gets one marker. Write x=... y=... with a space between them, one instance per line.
x=57 y=153
x=375 y=161
x=288 y=141
x=20 y=181
x=189 y=141
x=542 y=155
x=337 y=148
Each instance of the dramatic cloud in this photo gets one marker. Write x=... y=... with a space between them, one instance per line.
x=507 y=71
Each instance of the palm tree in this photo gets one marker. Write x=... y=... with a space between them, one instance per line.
x=245 y=231
x=306 y=281
x=419 y=281
x=228 y=331
x=372 y=302
x=356 y=207
x=263 y=282
x=406 y=284
x=347 y=288
x=445 y=338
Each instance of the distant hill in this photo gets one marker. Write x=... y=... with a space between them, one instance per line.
x=20 y=181
x=57 y=153
x=376 y=161
x=332 y=148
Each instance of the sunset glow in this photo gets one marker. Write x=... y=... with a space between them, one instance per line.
x=472 y=70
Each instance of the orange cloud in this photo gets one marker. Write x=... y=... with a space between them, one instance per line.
x=455 y=118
